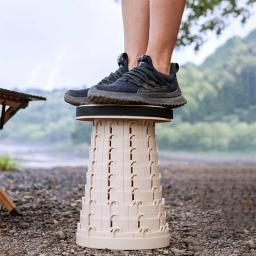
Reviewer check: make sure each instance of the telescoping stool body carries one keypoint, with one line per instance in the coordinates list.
(123, 207)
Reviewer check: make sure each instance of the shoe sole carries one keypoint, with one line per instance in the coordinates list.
(76, 101)
(100, 96)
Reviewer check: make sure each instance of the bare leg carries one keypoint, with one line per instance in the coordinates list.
(136, 28)
(165, 18)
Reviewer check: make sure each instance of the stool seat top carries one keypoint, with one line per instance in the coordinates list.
(113, 111)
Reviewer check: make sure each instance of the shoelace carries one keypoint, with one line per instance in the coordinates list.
(112, 77)
(141, 77)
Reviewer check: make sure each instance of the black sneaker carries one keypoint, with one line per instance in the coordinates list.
(79, 97)
(142, 85)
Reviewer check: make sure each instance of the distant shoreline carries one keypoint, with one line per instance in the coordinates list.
(53, 156)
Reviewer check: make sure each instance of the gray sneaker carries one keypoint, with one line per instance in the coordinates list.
(79, 97)
(142, 85)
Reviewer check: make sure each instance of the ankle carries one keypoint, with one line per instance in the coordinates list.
(161, 67)
(133, 59)
(132, 63)
(161, 62)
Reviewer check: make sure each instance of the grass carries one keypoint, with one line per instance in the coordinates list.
(7, 164)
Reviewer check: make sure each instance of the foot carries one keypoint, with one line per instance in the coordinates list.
(142, 85)
(79, 97)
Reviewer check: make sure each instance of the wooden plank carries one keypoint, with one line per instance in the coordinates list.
(18, 96)
(12, 103)
(10, 113)
(2, 116)
(6, 201)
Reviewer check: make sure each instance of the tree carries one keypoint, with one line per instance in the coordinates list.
(204, 16)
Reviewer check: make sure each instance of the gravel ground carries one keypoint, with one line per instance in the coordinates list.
(211, 211)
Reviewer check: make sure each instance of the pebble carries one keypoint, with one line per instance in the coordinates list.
(253, 252)
(246, 231)
(55, 222)
(27, 197)
(73, 204)
(61, 235)
(236, 253)
(251, 244)
(177, 252)
(215, 235)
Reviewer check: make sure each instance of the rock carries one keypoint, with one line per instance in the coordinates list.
(177, 252)
(55, 222)
(74, 204)
(215, 235)
(251, 244)
(61, 235)
(236, 253)
(27, 197)
(246, 231)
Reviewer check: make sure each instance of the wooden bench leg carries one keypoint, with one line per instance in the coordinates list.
(8, 203)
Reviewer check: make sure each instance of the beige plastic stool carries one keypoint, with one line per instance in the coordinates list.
(123, 206)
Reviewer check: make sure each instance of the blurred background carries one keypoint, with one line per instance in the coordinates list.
(47, 47)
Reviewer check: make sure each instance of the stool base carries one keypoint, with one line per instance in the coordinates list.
(122, 243)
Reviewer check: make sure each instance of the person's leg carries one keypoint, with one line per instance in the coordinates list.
(136, 28)
(153, 81)
(165, 18)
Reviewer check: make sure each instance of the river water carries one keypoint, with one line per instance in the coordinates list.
(48, 156)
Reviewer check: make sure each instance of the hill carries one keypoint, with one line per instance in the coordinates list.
(220, 114)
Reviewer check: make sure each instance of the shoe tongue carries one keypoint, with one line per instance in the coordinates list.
(123, 60)
(145, 59)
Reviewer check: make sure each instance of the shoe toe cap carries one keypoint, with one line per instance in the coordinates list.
(77, 93)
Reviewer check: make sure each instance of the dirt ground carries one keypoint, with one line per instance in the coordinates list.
(211, 211)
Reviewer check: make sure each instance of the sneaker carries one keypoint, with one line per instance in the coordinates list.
(142, 85)
(79, 97)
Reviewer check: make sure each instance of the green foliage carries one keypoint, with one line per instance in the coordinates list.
(7, 164)
(81, 133)
(204, 16)
(202, 136)
(223, 87)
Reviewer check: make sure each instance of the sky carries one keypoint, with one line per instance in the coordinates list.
(50, 44)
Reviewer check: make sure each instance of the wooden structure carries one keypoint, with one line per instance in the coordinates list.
(11, 103)
(8, 203)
